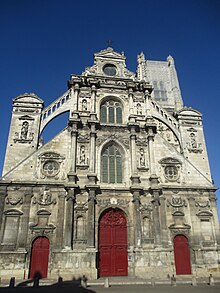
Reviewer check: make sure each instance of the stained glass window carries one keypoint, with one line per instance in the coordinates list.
(111, 112)
(111, 165)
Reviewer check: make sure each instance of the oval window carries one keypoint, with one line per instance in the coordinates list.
(110, 69)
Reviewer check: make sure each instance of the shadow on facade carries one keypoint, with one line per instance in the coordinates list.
(67, 286)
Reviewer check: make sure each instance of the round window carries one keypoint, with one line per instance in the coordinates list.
(171, 172)
(110, 69)
(51, 168)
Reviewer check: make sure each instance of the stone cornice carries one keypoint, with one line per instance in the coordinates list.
(113, 82)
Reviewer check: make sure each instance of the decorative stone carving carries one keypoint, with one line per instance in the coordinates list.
(82, 159)
(142, 162)
(14, 201)
(185, 230)
(193, 146)
(113, 201)
(171, 168)
(83, 138)
(24, 136)
(146, 209)
(45, 199)
(176, 202)
(204, 204)
(204, 215)
(115, 136)
(50, 165)
(42, 227)
(141, 141)
(81, 206)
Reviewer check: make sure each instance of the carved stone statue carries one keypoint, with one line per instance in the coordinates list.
(84, 105)
(142, 158)
(193, 140)
(24, 130)
(82, 155)
(139, 109)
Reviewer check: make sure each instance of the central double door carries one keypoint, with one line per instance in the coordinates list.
(113, 257)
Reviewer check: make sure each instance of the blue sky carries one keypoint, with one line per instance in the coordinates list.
(44, 41)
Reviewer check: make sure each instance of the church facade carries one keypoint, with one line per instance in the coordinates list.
(124, 190)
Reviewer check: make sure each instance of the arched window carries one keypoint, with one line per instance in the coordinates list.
(111, 112)
(111, 165)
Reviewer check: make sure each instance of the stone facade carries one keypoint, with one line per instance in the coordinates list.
(130, 146)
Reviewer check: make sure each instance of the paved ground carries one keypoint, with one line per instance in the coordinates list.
(156, 289)
(69, 288)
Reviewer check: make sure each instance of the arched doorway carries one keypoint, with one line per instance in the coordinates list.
(113, 256)
(39, 257)
(182, 255)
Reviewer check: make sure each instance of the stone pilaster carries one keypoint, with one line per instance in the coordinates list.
(76, 97)
(151, 130)
(74, 132)
(147, 99)
(135, 178)
(92, 176)
(130, 96)
(93, 99)
(163, 220)
(155, 191)
(24, 223)
(91, 216)
(68, 234)
(137, 219)
(212, 198)
(60, 216)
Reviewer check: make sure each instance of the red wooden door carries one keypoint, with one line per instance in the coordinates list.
(39, 257)
(182, 255)
(113, 258)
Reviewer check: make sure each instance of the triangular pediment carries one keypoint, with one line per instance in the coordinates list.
(109, 53)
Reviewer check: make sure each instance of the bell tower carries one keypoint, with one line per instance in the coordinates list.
(24, 129)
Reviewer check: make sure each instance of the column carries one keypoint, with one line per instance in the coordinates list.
(137, 219)
(68, 235)
(24, 223)
(91, 217)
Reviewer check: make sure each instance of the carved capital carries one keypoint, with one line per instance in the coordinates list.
(71, 194)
